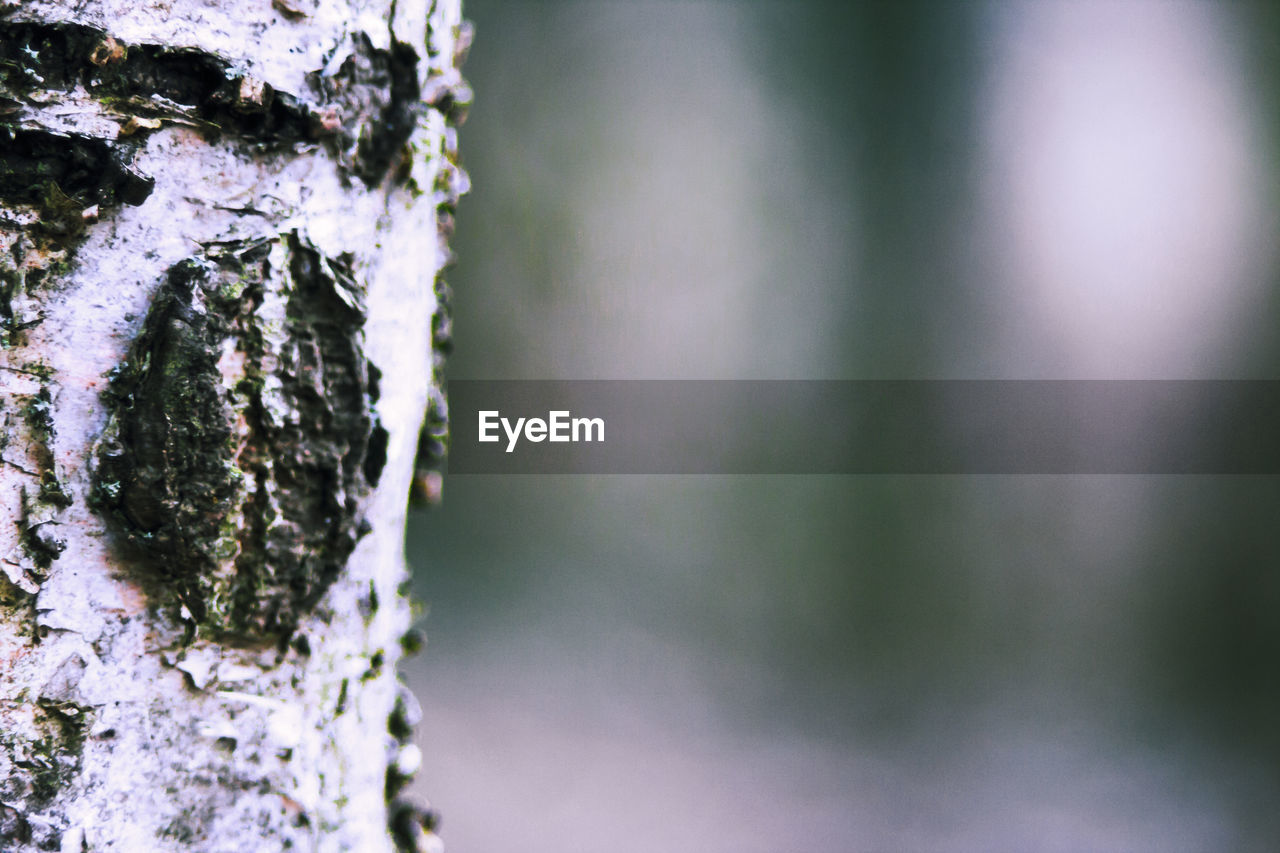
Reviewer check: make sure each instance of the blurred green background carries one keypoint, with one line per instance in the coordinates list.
(1014, 189)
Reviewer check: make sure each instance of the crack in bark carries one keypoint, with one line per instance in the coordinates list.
(61, 174)
(364, 111)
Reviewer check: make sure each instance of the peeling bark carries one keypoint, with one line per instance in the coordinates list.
(222, 334)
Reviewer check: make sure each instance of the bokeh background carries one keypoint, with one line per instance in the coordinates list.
(745, 190)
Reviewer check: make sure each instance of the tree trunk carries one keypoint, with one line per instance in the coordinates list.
(221, 231)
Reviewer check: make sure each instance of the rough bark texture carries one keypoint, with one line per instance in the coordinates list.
(221, 232)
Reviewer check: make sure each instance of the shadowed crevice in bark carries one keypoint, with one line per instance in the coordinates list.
(55, 171)
(363, 111)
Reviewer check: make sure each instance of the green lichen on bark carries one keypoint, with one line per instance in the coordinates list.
(26, 446)
(32, 256)
(38, 758)
(242, 437)
(447, 94)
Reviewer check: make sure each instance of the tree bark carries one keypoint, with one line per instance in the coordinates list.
(221, 232)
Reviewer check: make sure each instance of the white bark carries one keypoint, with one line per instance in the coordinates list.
(163, 689)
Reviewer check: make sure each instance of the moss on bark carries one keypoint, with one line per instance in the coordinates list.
(243, 436)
